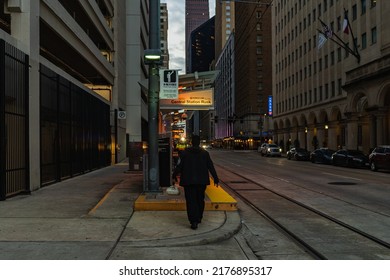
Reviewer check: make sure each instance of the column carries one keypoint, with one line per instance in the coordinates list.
(332, 136)
(352, 131)
(25, 28)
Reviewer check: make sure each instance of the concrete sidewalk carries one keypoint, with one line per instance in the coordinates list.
(92, 217)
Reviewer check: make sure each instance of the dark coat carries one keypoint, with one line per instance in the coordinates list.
(194, 166)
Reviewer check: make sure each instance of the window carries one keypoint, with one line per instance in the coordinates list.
(373, 3)
(373, 35)
(338, 54)
(338, 23)
(326, 91)
(332, 58)
(364, 41)
(333, 85)
(363, 3)
(326, 61)
(354, 12)
(339, 86)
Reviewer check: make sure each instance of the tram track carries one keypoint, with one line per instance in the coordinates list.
(325, 228)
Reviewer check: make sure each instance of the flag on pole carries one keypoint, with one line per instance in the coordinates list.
(327, 31)
(321, 40)
(345, 23)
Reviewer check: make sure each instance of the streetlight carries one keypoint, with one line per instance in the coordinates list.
(152, 57)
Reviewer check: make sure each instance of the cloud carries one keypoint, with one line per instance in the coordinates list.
(176, 31)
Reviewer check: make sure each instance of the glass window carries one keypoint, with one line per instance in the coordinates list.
(364, 41)
(363, 3)
(354, 12)
(339, 87)
(373, 35)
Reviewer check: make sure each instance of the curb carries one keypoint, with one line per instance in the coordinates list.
(228, 229)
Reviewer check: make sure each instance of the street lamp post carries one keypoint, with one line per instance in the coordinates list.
(153, 57)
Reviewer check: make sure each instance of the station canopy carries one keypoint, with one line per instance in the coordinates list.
(196, 92)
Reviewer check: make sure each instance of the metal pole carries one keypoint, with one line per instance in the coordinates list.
(153, 100)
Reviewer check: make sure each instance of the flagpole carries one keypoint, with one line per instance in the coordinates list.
(342, 44)
(356, 52)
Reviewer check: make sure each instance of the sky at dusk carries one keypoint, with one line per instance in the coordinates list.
(176, 31)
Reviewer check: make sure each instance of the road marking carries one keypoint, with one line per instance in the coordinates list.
(346, 177)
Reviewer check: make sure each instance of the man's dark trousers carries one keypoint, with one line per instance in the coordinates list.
(194, 195)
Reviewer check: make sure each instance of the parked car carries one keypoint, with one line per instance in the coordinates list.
(380, 158)
(298, 154)
(322, 155)
(350, 158)
(271, 150)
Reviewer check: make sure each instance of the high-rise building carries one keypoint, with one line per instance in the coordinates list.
(253, 70)
(224, 24)
(202, 41)
(325, 96)
(224, 92)
(197, 12)
(224, 62)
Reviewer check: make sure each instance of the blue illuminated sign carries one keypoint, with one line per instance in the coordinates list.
(270, 105)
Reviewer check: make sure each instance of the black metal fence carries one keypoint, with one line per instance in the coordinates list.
(75, 126)
(14, 151)
(75, 129)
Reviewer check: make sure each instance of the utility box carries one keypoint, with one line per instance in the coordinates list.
(136, 152)
(165, 160)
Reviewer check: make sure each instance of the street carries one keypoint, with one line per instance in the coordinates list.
(337, 212)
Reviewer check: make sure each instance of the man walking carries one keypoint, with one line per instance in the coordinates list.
(194, 166)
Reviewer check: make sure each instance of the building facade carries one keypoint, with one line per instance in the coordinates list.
(224, 92)
(253, 69)
(202, 42)
(70, 98)
(323, 95)
(224, 24)
(196, 13)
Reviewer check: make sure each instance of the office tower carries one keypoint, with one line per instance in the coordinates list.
(224, 24)
(197, 12)
(253, 70)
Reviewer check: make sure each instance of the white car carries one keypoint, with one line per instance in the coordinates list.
(272, 150)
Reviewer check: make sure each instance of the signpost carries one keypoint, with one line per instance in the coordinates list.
(169, 84)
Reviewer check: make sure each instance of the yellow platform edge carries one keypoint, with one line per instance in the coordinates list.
(218, 200)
